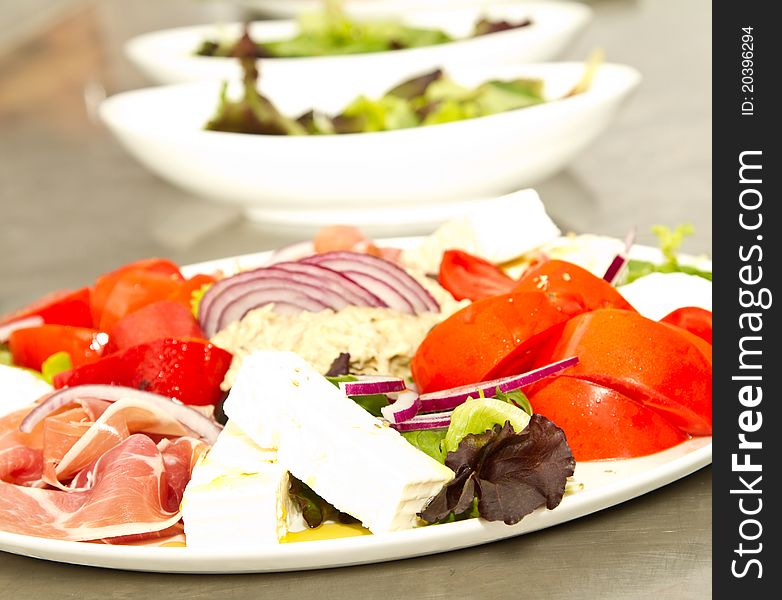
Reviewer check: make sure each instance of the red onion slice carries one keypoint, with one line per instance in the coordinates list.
(234, 299)
(333, 280)
(23, 323)
(286, 300)
(405, 285)
(201, 425)
(432, 421)
(366, 385)
(403, 409)
(313, 288)
(453, 397)
(620, 260)
(383, 289)
(343, 261)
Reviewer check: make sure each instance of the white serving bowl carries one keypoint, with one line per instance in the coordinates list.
(301, 179)
(285, 9)
(168, 56)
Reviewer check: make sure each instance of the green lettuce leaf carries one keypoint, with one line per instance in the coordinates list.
(479, 415)
(428, 441)
(5, 356)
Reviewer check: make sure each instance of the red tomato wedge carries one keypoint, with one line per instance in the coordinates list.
(189, 370)
(601, 423)
(490, 338)
(645, 360)
(571, 287)
(699, 342)
(63, 307)
(471, 277)
(31, 346)
(106, 283)
(134, 290)
(162, 319)
(692, 318)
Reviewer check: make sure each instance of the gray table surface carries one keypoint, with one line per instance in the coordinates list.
(73, 204)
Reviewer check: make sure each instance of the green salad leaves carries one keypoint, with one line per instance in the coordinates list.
(428, 99)
(670, 240)
(331, 32)
(508, 473)
(507, 460)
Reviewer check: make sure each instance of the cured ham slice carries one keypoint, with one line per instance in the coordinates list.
(21, 460)
(134, 489)
(70, 444)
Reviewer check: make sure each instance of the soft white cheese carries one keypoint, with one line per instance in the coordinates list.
(323, 438)
(657, 294)
(497, 230)
(237, 496)
(20, 389)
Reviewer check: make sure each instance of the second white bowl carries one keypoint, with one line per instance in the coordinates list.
(168, 56)
(409, 169)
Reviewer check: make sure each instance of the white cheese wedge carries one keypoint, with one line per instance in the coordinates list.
(347, 456)
(20, 389)
(237, 497)
(498, 230)
(657, 294)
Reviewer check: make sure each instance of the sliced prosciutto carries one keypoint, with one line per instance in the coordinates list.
(21, 457)
(70, 445)
(133, 489)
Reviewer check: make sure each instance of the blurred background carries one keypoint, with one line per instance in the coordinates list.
(75, 204)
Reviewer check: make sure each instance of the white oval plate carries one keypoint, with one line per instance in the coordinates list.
(299, 180)
(605, 484)
(168, 56)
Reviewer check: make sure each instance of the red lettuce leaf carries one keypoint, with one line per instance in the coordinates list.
(511, 474)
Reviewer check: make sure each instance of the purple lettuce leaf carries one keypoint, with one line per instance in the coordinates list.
(511, 474)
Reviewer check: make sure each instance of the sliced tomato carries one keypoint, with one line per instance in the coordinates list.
(33, 345)
(490, 338)
(645, 360)
(189, 370)
(702, 345)
(694, 319)
(571, 287)
(134, 290)
(601, 423)
(106, 283)
(471, 277)
(162, 319)
(63, 307)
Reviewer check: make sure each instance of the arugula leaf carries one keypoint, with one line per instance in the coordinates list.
(670, 240)
(510, 474)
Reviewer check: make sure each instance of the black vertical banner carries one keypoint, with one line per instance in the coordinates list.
(747, 48)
